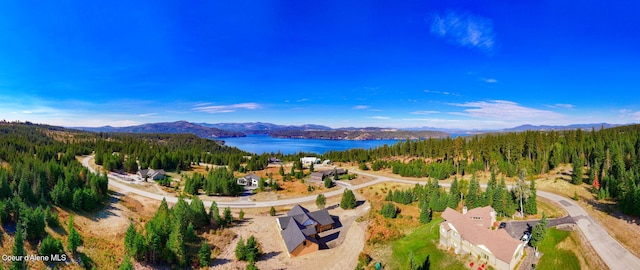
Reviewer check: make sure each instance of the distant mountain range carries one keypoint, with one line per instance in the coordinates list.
(169, 127)
(262, 128)
(222, 130)
(596, 126)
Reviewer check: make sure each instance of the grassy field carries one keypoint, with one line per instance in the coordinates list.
(557, 258)
(422, 242)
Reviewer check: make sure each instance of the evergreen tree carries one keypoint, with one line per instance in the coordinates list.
(228, 217)
(272, 211)
(539, 231)
(321, 201)
(18, 249)
(200, 217)
(176, 246)
(214, 214)
(50, 245)
(389, 210)
(74, 240)
(473, 198)
(425, 214)
(190, 234)
(328, 183)
(454, 194)
(240, 250)
(348, 200)
(281, 170)
(311, 168)
(531, 205)
(126, 263)
(576, 175)
(204, 255)
(252, 250)
(241, 214)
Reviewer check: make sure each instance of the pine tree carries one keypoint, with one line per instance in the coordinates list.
(272, 211)
(18, 248)
(240, 250)
(214, 214)
(328, 183)
(281, 170)
(74, 240)
(252, 251)
(200, 217)
(539, 231)
(576, 175)
(175, 245)
(126, 263)
(425, 214)
(454, 194)
(348, 200)
(204, 255)
(321, 201)
(473, 199)
(228, 217)
(531, 205)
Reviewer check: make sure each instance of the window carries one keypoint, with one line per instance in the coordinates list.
(485, 256)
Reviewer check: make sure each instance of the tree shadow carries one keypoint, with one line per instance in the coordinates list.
(220, 262)
(613, 210)
(358, 203)
(269, 255)
(240, 222)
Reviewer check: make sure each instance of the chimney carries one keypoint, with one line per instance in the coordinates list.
(464, 210)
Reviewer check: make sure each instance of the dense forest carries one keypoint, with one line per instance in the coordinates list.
(38, 167)
(608, 157)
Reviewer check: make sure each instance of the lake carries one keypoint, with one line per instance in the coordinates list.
(263, 143)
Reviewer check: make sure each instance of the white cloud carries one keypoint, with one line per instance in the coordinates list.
(302, 100)
(490, 80)
(146, 114)
(507, 111)
(360, 107)
(441, 93)
(464, 30)
(227, 108)
(425, 112)
(562, 106)
(381, 117)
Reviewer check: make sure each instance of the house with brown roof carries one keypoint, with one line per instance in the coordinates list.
(300, 228)
(470, 232)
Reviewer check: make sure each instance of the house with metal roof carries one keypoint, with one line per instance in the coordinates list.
(249, 180)
(470, 232)
(300, 228)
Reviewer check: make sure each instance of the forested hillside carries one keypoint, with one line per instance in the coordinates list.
(38, 168)
(608, 157)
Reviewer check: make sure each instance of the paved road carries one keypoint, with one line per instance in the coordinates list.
(517, 228)
(612, 253)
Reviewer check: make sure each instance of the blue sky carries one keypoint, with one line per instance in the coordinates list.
(450, 64)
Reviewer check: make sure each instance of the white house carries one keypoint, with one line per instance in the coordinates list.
(471, 233)
(151, 173)
(249, 180)
(310, 160)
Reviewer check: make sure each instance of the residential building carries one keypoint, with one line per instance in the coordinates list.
(471, 232)
(310, 160)
(151, 174)
(249, 180)
(300, 228)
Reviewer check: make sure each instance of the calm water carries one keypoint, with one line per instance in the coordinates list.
(263, 143)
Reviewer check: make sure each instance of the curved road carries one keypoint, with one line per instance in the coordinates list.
(612, 253)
